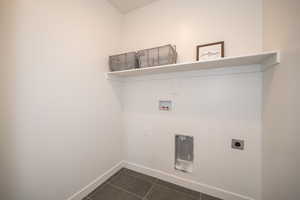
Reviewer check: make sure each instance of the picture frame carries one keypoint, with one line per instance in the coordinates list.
(211, 51)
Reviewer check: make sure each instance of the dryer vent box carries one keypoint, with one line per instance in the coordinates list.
(184, 153)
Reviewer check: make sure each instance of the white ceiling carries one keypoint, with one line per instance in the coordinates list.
(126, 6)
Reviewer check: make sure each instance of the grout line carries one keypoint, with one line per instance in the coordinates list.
(108, 182)
(150, 190)
(141, 179)
(156, 183)
(184, 193)
(119, 188)
(112, 178)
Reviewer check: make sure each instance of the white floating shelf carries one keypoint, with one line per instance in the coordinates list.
(266, 59)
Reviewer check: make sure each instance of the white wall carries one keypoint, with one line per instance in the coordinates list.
(6, 69)
(190, 23)
(281, 108)
(65, 112)
(214, 108)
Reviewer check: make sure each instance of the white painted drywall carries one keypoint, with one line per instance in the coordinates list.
(187, 24)
(281, 107)
(214, 109)
(6, 77)
(65, 113)
(129, 5)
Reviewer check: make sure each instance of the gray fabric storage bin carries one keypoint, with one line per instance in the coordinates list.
(124, 61)
(157, 56)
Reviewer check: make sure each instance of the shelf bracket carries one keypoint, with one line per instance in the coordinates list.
(112, 77)
(272, 61)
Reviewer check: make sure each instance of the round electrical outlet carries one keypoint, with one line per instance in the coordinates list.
(237, 144)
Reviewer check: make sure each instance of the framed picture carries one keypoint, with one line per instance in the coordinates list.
(210, 51)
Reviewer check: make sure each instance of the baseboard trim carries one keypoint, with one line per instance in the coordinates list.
(96, 183)
(193, 185)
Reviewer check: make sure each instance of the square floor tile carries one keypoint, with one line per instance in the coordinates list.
(115, 175)
(140, 175)
(164, 193)
(132, 184)
(207, 197)
(194, 194)
(108, 192)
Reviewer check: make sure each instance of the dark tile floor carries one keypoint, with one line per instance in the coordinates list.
(130, 185)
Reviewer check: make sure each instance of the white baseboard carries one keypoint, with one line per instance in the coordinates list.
(193, 185)
(96, 183)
